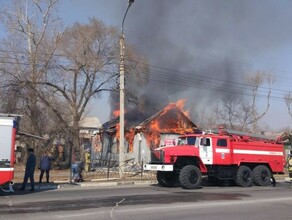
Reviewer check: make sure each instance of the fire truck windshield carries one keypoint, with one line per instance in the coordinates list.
(186, 141)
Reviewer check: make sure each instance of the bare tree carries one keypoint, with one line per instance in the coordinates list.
(58, 74)
(288, 101)
(206, 119)
(88, 66)
(255, 81)
(234, 113)
(27, 54)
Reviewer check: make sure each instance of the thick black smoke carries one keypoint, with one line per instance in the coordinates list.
(207, 46)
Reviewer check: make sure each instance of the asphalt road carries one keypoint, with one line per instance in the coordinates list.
(151, 202)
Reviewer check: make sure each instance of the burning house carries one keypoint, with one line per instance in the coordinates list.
(161, 129)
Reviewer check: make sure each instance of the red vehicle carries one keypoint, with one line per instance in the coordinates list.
(8, 129)
(246, 159)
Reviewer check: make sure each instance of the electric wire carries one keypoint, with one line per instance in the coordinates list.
(185, 79)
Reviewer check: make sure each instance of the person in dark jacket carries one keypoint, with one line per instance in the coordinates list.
(29, 170)
(45, 166)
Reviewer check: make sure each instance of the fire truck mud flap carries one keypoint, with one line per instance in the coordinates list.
(190, 177)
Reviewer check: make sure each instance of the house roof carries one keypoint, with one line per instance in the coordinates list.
(90, 122)
(171, 107)
(168, 109)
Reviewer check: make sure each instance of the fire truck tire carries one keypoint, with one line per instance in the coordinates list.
(244, 176)
(166, 179)
(262, 175)
(190, 177)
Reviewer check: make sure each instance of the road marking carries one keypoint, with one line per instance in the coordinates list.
(80, 214)
(112, 210)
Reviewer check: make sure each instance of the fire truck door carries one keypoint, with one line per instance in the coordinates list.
(222, 150)
(205, 149)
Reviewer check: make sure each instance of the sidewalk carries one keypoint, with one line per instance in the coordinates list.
(61, 179)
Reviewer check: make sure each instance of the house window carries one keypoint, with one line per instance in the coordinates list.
(222, 143)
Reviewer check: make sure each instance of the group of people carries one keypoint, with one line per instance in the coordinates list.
(45, 167)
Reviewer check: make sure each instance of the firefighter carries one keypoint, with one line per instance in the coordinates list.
(87, 160)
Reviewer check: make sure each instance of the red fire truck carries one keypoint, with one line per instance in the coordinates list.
(8, 129)
(245, 159)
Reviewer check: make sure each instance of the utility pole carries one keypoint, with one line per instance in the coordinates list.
(122, 97)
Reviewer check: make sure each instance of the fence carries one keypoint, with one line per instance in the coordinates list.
(109, 170)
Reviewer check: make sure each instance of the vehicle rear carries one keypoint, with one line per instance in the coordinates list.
(8, 127)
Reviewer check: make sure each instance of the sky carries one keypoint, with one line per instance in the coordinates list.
(219, 40)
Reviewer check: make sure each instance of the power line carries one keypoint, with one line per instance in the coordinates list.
(212, 78)
(163, 74)
(191, 84)
(170, 75)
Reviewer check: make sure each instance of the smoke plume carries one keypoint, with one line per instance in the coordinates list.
(200, 50)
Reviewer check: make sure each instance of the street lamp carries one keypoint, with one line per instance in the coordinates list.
(122, 95)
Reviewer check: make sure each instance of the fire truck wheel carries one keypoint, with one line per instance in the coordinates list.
(190, 177)
(166, 179)
(244, 176)
(262, 175)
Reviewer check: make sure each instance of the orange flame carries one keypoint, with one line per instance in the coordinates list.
(179, 104)
(130, 139)
(171, 120)
(116, 113)
(118, 131)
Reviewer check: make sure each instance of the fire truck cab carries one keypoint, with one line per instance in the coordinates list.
(244, 159)
(8, 129)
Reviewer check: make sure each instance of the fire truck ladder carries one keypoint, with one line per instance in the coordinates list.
(248, 136)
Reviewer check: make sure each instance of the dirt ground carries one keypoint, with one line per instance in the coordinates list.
(55, 175)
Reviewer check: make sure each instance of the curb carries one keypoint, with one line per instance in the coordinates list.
(124, 183)
(106, 183)
(67, 184)
(99, 184)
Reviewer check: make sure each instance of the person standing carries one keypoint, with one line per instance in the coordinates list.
(29, 170)
(87, 160)
(45, 166)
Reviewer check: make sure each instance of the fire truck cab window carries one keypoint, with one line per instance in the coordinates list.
(191, 140)
(222, 143)
(205, 142)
